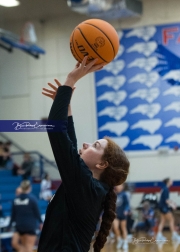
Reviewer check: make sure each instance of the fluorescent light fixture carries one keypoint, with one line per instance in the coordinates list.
(9, 3)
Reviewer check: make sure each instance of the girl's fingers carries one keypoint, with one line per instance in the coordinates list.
(48, 90)
(57, 82)
(51, 96)
(78, 64)
(91, 64)
(52, 86)
(96, 67)
(83, 63)
(99, 68)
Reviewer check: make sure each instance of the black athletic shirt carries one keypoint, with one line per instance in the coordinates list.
(74, 210)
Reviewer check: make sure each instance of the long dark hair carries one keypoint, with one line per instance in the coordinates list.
(115, 174)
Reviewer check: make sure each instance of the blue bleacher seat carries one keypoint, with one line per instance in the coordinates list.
(36, 189)
(42, 205)
(8, 187)
(8, 180)
(6, 207)
(53, 192)
(5, 173)
(7, 196)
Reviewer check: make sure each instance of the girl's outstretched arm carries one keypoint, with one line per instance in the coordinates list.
(66, 155)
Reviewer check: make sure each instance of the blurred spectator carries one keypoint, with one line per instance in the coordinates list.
(15, 170)
(1, 154)
(122, 208)
(5, 156)
(152, 199)
(148, 221)
(16, 237)
(8, 146)
(26, 167)
(166, 206)
(130, 220)
(46, 185)
(8, 159)
(25, 215)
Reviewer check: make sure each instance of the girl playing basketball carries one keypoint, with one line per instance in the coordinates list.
(122, 208)
(88, 177)
(165, 206)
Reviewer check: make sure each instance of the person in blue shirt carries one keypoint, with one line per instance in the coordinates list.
(148, 221)
(26, 216)
(166, 206)
(122, 209)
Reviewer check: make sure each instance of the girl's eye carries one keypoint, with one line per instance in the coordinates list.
(95, 145)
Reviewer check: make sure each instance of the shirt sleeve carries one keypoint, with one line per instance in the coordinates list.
(126, 202)
(63, 142)
(166, 194)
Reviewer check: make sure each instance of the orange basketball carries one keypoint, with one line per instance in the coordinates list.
(94, 38)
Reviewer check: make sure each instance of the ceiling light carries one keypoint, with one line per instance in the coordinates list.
(9, 3)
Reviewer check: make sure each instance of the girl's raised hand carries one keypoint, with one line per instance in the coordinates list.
(51, 93)
(81, 69)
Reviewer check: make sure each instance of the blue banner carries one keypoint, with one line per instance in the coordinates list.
(138, 93)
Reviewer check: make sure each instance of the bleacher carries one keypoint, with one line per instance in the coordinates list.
(8, 185)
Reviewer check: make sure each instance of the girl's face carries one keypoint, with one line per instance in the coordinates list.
(92, 153)
(169, 183)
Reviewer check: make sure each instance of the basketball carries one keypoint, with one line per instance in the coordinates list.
(94, 38)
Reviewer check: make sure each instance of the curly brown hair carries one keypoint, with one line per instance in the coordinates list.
(115, 174)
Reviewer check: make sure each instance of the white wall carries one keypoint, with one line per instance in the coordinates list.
(22, 78)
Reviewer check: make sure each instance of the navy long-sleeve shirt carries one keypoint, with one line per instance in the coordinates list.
(74, 211)
(25, 213)
(122, 203)
(164, 197)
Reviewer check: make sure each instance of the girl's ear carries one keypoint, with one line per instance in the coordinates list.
(102, 165)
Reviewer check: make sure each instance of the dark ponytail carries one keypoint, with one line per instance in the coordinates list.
(107, 219)
(115, 174)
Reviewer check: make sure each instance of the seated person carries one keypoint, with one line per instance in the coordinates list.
(152, 198)
(26, 167)
(8, 161)
(2, 155)
(46, 185)
(148, 221)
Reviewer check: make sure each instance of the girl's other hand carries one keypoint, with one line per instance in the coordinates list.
(52, 93)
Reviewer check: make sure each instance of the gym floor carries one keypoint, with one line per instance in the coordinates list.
(144, 244)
